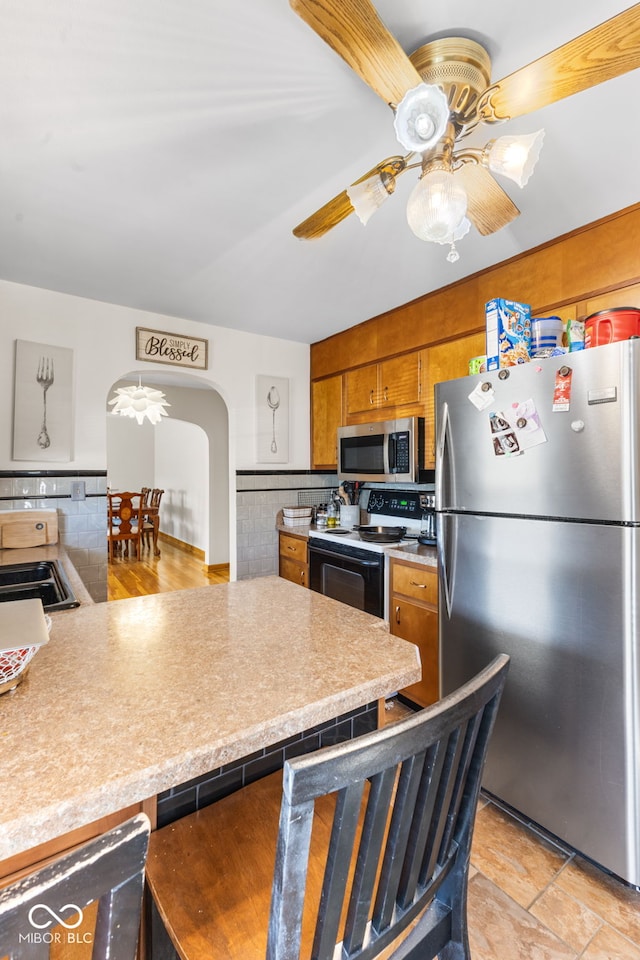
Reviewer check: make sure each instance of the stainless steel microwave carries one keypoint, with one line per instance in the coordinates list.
(390, 451)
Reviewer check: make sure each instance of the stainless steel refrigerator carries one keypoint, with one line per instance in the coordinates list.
(538, 520)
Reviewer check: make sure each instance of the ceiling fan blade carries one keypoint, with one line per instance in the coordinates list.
(488, 207)
(607, 51)
(355, 31)
(325, 218)
(338, 209)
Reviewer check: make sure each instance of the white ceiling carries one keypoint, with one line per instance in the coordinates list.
(157, 154)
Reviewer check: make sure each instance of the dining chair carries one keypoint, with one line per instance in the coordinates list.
(124, 521)
(370, 838)
(91, 895)
(151, 519)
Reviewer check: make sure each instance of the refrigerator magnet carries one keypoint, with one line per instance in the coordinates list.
(527, 424)
(482, 395)
(562, 390)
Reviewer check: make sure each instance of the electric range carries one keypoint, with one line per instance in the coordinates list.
(344, 566)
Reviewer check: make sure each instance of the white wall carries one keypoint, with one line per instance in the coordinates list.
(182, 471)
(102, 336)
(130, 453)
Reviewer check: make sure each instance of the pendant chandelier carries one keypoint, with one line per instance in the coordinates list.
(140, 402)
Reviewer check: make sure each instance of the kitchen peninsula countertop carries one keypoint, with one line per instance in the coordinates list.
(132, 697)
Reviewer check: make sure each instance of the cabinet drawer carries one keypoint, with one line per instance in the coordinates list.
(417, 582)
(293, 548)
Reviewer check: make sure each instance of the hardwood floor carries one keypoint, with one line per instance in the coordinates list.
(176, 569)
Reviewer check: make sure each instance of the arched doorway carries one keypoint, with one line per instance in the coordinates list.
(201, 446)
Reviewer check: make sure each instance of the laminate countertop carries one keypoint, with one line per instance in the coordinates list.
(413, 551)
(132, 697)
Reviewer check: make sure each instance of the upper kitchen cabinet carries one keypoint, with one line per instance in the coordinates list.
(326, 417)
(445, 361)
(380, 388)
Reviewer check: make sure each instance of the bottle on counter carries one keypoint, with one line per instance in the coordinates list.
(332, 515)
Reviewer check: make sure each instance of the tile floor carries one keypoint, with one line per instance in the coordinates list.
(533, 899)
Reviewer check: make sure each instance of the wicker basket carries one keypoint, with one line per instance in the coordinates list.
(297, 512)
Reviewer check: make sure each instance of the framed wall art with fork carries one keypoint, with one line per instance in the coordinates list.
(42, 402)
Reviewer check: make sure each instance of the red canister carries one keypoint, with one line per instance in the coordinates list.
(606, 326)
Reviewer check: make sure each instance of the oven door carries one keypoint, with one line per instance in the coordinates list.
(349, 574)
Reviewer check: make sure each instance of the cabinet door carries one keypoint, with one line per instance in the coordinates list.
(419, 625)
(294, 571)
(446, 361)
(400, 380)
(362, 389)
(326, 417)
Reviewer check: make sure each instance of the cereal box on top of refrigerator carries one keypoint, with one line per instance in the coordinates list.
(508, 333)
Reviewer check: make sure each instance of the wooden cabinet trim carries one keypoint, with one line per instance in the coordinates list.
(550, 277)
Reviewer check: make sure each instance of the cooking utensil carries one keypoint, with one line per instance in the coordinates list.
(381, 534)
(273, 399)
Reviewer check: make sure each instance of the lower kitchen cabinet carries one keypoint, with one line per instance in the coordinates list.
(293, 564)
(413, 615)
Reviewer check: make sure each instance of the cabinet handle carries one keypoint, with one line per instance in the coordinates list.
(386, 394)
(302, 577)
(293, 549)
(370, 396)
(414, 583)
(398, 614)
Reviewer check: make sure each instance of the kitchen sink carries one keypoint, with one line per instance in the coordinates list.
(43, 580)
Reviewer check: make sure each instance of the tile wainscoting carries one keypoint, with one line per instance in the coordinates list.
(82, 523)
(259, 497)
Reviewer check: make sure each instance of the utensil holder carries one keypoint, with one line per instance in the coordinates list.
(349, 515)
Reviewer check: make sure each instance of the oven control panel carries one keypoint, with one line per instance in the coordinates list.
(399, 503)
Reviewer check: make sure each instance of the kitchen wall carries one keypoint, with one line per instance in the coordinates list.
(102, 337)
(260, 495)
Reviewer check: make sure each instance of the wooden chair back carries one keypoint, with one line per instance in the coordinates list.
(124, 520)
(101, 882)
(156, 497)
(372, 848)
(146, 492)
(149, 524)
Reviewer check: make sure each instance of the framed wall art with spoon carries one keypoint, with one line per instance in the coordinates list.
(272, 419)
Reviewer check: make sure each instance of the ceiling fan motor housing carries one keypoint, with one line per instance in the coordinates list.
(461, 67)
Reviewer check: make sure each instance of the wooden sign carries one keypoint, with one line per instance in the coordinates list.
(158, 346)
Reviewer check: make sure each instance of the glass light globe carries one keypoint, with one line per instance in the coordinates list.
(437, 208)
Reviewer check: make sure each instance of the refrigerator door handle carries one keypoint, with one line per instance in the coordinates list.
(444, 462)
(447, 536)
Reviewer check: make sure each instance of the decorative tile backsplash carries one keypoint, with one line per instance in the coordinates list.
(259, 497)
(81, 523)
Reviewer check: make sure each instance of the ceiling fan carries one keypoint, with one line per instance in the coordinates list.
(439, 94)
